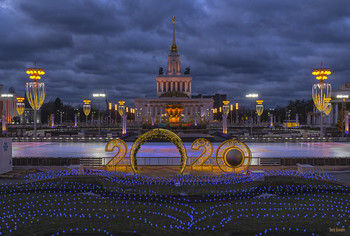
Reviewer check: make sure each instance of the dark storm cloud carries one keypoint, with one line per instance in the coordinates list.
(233, 47)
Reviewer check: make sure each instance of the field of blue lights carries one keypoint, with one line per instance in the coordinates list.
(111, 203)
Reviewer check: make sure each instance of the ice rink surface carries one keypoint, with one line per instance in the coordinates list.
(55, 149)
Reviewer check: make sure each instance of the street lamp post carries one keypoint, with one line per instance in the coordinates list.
(252, 96)
(116, 113)
(259, 109)
(20, 107)
(321, 92)
(86, 109)
(225, 111)
(343, 97)
(110, 113)
(99, 95)
(123, 114)
(35, 91)
(231, 110)
(236, 113)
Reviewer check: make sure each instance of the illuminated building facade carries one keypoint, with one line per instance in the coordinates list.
(8, 105)
(174, 89)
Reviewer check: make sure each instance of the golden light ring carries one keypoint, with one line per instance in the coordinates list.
(162, 134)
(229, 144)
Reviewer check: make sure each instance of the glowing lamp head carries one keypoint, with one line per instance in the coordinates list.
(225, 102)
(321, 73)
(86, 102)
(121, 103)
(20, 99)
(35, 73)
(236, 105)
(259, 102)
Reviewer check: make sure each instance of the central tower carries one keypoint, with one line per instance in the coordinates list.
(174, 83)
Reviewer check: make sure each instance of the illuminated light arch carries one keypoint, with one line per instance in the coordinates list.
(161, 134)
(222, 153)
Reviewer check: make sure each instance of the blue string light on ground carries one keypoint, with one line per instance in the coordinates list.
(60, 202)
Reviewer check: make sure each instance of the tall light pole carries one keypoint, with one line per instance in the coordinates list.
(343, 97)
(116, 113)
(236, 113)
(122, 113)
(20, 107)
(110, 113)
(99, 95)
(321, 92)
(231, 110)
(86, 109)
(251, 96)
(259, 109)
(35, 91)
(225, 111)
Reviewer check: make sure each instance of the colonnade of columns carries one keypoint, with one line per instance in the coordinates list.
(173, 86)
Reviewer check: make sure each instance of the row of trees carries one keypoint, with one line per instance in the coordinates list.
(301, 107)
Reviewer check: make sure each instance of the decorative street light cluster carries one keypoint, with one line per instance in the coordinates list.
(86, 109)
(321, 92)
(20, 106)
(35, 91)
(259, 108)
(225, 112)
(123, 115)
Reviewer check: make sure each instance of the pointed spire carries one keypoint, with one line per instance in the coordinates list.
(173, 47)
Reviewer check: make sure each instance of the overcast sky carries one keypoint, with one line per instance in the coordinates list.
(232, 47)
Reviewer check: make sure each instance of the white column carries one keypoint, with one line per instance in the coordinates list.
(157, 86)
(171, 86)
(190, 86)
(186, 87)
(166, 86)
(181, 86)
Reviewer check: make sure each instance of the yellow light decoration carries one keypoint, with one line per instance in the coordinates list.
(236, 105)
(158, 134)
(174, 112)
(20, 106)
(321, 93)
(220, 109)
(225, 107)
(328, 109)
(116, 107)
(226, 110)
(231, 107)
(123, 114)
(86, 107)
(259, 107)
(35, 73)
(321, 73)
(35, 94)
(110, 106)
(35, 91)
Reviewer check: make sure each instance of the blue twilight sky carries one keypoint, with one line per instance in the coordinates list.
(234, 47)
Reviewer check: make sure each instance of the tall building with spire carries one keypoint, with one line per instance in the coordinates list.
(174, 88)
